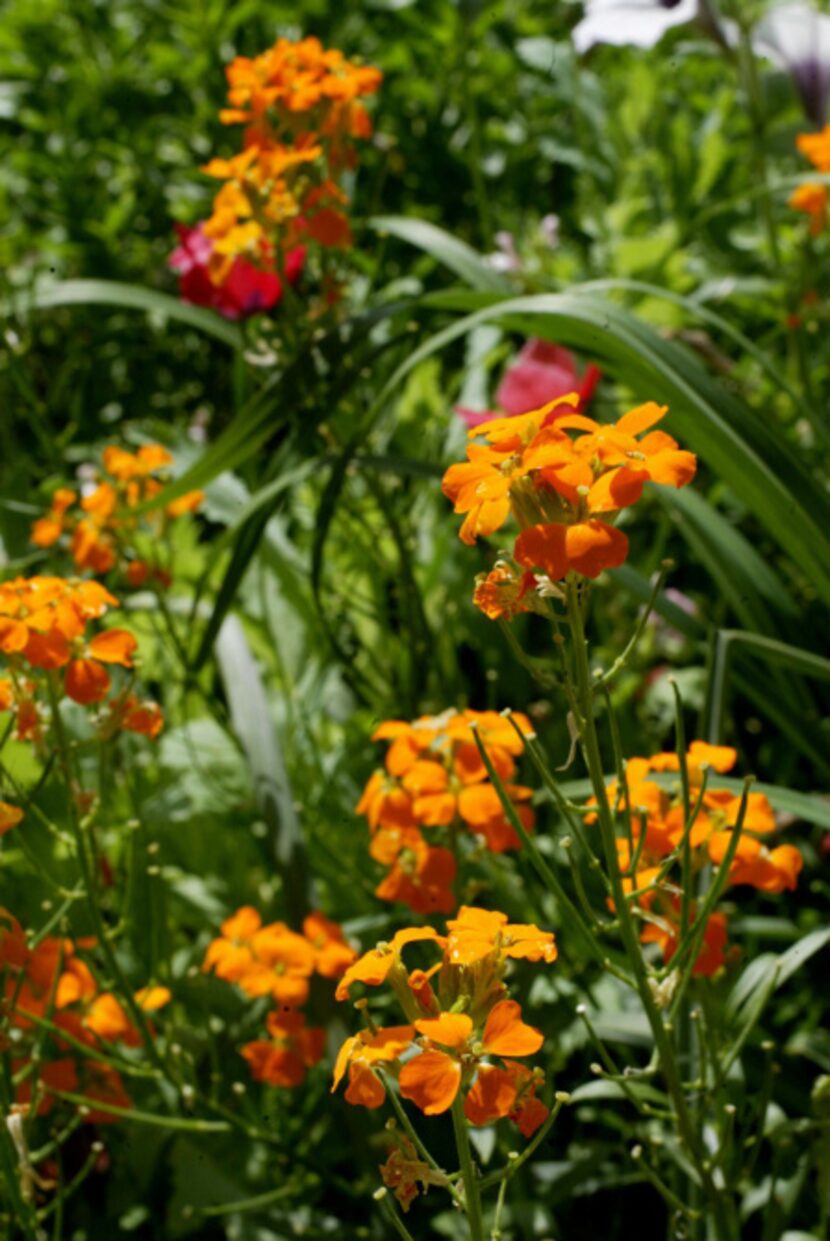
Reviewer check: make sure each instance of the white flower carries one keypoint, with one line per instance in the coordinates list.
(797, 38)
(639, 22)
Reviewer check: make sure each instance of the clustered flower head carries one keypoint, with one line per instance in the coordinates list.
(433, 786)
(301, 107)
(564, 491)
(813, 197)
(461, 1034)
(50, 649)
(274, 961)
(101, 527)
(650, 857)
(52, 982)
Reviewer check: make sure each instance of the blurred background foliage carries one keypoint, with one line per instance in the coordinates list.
(350, 581)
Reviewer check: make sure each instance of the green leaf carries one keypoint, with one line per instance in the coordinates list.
(795, 957)
(253, 725)
(441, 245)
(126, 297)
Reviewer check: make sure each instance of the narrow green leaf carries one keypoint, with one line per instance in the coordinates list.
(253, 725)
(49, 295)
(441, 245)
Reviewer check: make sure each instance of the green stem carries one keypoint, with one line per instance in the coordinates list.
(472, 1200)
(571, 916)
(91, 887)
(392, 1215)
(583, 690)
(508, 1172)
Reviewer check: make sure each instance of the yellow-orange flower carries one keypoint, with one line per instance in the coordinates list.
(477, 933)
(432, 1079)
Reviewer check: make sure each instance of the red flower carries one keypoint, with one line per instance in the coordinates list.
(246, 290)
(541, 373)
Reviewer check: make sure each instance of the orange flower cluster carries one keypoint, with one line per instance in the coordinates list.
(300, 105)
(455, 1030)
(52, 982)
(813, 197)
(274, 961)
(434, 779)
(564, 492)
(44, 633)
(101, 528)
(659, 829)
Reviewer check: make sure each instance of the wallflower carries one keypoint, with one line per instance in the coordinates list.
(10, 816)
(282, 1059)
(361, 1054)
(452, 1033)
(509, 1091)
(420, 875)
(101, 529)
(262, 960)
(666, 932)
(812, 199)
(436, 781)
(478, 933)
(300, 104)
(816, 147)
(432, 1079)
(562, 489)
(51, 981)
(375, 966)
(659, 828)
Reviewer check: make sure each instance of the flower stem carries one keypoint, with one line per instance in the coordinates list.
(472, 1201)
(584, 697)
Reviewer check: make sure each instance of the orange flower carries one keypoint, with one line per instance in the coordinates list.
(141, 717)
(432, 1079)
(479, 933)
(10, 816)
(47, 530)
(87, 679)
(508, 1091)
(499, 594)
(333, 955)
(768, 870)
(816, 147)
(292, 1048)
(712, 954)
(374, 967)
(435, 777)
(421, 876)
(361, 1053)
(519, 447)
(812, 199)
(585, 547)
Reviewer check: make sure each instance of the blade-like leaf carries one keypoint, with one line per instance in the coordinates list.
(459, 257)
(253, 725)
(126, 297)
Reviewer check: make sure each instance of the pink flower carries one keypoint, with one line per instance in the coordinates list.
(247, 290)
(541, 373)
